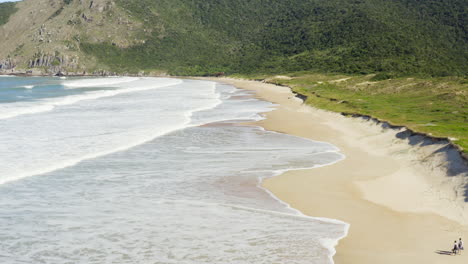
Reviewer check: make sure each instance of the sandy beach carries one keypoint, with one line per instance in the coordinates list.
(398, 199)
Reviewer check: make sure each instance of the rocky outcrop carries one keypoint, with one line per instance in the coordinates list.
(54, 61)
(42, 35)
(101, 7)
(7, 64)
(103, 73)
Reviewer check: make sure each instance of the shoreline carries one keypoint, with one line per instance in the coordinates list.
(386, 123)
(396, 212)
(458, 148)
(328, 243)
(404, 199)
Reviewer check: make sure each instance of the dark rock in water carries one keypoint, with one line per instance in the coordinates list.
(59, 74)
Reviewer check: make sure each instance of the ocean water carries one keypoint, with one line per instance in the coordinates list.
(149, 170)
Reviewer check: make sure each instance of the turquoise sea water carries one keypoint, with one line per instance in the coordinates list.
(148, 170)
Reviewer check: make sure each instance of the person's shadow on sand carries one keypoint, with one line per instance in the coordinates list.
(444, 252)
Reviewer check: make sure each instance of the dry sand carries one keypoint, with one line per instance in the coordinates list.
(401, 208)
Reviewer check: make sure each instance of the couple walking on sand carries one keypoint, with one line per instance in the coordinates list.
(457, 246)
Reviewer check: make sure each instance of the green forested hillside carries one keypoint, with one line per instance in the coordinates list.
(6, 10)
(360, 36)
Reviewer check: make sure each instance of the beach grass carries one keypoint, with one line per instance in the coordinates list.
(434, 106)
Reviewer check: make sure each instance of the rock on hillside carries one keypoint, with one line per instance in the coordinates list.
(45, 35)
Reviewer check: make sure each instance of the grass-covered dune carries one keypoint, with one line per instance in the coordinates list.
(433, 106)
(245, 36)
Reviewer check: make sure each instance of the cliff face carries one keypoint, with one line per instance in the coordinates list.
(7, 64)
(45, 35)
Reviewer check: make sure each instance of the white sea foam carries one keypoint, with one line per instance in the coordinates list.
(189, 194)
(22, 108)
(99, 82)
(328, 243)
(27, 86)
(114, 138)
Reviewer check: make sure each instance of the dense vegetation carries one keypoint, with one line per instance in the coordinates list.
(361, 36)
(435, 106)
(6, 10)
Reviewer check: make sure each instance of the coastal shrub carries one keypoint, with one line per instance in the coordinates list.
(382, 76)
(6, 10)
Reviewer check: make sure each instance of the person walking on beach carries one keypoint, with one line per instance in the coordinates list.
(455, 247)
(460, 245)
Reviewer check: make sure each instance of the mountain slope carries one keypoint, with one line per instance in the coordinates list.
(6, 10)
(342, 36)
(46, 34)
(244, 36)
